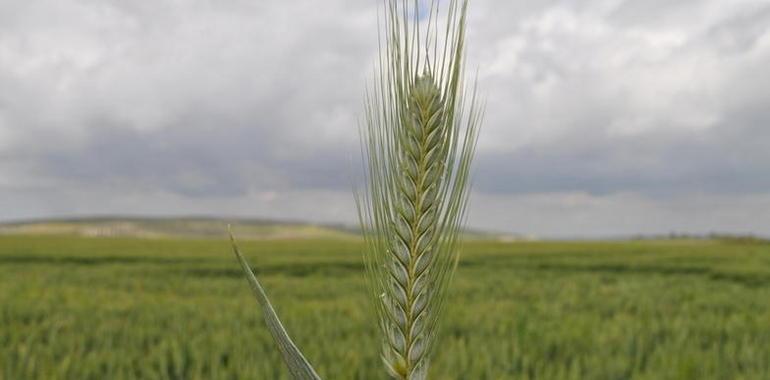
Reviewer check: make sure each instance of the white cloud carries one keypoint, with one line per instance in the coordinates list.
(565, 67)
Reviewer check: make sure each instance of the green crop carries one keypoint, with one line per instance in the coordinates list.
(80, 308)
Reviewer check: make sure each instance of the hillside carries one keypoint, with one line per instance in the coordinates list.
(196, 227)
(203, 227)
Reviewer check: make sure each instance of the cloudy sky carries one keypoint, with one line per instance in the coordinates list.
(604, 117)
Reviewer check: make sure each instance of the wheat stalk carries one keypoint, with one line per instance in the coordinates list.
(418, 144)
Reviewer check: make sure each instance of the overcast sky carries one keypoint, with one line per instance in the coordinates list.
(604, 117)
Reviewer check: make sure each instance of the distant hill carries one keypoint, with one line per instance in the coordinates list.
(192, 227)
(202, 227)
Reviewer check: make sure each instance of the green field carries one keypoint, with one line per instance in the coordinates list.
(111, 308)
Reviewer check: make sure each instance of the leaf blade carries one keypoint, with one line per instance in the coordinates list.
(298, 365)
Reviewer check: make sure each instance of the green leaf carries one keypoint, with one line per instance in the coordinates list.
(299, 367)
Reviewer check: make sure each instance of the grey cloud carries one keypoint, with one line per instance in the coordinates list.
(200, 99)
(742, 32)
(720, 161)
(589, 104)
(658, 12)
(199, 158)
(227, 100)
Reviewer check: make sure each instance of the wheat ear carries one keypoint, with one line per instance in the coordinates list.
(419, 137)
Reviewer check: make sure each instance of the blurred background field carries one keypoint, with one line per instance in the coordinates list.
(74, 307)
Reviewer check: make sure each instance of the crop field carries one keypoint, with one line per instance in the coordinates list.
(122, 308)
